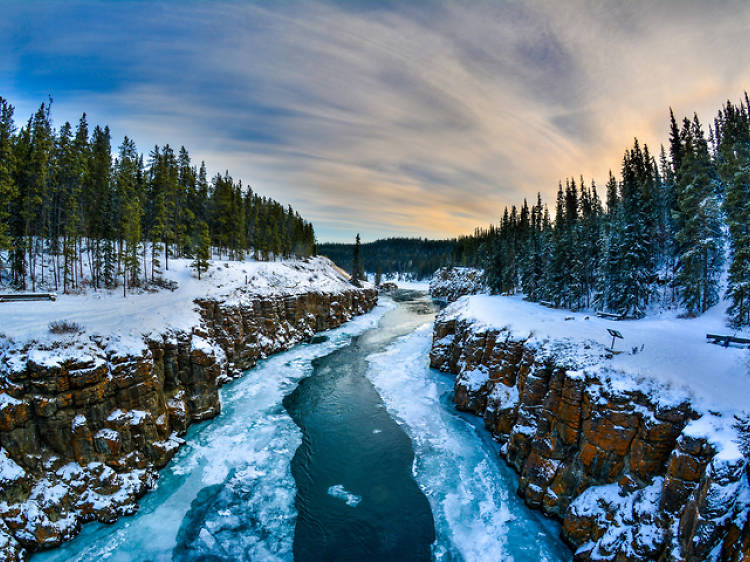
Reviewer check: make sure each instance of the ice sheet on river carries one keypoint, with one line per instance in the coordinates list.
(477, 514)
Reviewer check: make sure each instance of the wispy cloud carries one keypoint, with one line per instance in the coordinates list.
(419, 119)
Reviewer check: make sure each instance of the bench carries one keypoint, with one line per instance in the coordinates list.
(726, 340)
(27, 297)
(611, 316)
(548, 304)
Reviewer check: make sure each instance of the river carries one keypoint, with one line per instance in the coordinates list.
(344, 448)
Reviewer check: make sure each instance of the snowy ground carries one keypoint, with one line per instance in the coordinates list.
(403, 281)
(413, 285)
(667, 352)
(128, 319)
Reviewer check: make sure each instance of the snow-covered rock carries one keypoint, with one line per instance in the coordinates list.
(636, 465)
(450, 283)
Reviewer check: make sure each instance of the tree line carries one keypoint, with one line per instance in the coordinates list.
(418, 257)
(659, 235)
(73, 214)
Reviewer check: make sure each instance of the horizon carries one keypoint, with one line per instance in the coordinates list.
(382, 119)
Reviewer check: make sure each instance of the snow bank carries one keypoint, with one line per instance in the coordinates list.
(450, 283)
(668, 353)
(125, 321)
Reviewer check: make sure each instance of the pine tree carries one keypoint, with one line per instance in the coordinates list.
(561, 279)
(186, 202)
(532, 282)
(8, 189)
(158, 210)
(75, 209)
(734, 169)
(127, 177)
(356, 263)
(34, 151)
(630, 248)
(203, 250)
(610, 276)
(699, 238)
(99, 205)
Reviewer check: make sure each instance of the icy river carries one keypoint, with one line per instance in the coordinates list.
(344, 448)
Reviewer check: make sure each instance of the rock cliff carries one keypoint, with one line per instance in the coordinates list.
(631, 476)
(85, 425)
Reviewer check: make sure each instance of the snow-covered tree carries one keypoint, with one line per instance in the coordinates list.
(733, 132)
(699, 239)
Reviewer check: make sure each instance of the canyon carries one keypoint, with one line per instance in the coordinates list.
(85, 426)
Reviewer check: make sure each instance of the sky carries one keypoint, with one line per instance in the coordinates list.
(418, 118)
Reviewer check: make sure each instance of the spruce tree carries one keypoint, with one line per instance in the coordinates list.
(127, 177)
(203, 249)
(699, 238)
(734, 169)
(8, 189)
(356, 263)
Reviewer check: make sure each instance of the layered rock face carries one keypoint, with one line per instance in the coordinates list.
(631, 477)
(85, 427)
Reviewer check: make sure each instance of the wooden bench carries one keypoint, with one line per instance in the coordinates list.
(726, 340)
(27, 297)
(611, 316)
(548, 304)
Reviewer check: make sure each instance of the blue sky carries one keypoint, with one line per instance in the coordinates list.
(385, 118)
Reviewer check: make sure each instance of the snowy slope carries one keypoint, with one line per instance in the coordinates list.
(666, 352)
(108, 313)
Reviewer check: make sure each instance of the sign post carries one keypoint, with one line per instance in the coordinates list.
(615, 334)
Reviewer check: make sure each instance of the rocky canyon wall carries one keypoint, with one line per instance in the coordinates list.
(84, 426)
(630, 476)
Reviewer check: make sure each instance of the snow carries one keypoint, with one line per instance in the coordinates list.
(412, 285)
(666, 352)
(630, 519)
(78, 421)
(198, 343)
(125, 321)
(452, 282)
(7, 400)
(503, 397)
(715, 430)
(473, 379)
(9, 470)
(339, 492)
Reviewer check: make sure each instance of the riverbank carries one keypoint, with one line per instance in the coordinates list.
(640, 454)
(87, 419)
(255, 485)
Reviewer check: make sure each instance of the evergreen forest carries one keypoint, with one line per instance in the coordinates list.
(660, 234)
(74, 213)
(416, 257)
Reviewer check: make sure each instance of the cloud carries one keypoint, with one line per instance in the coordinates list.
(420, 119)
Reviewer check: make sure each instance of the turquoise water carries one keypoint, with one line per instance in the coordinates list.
(343, 449)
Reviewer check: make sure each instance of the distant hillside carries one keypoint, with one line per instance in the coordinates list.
(419, 257)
